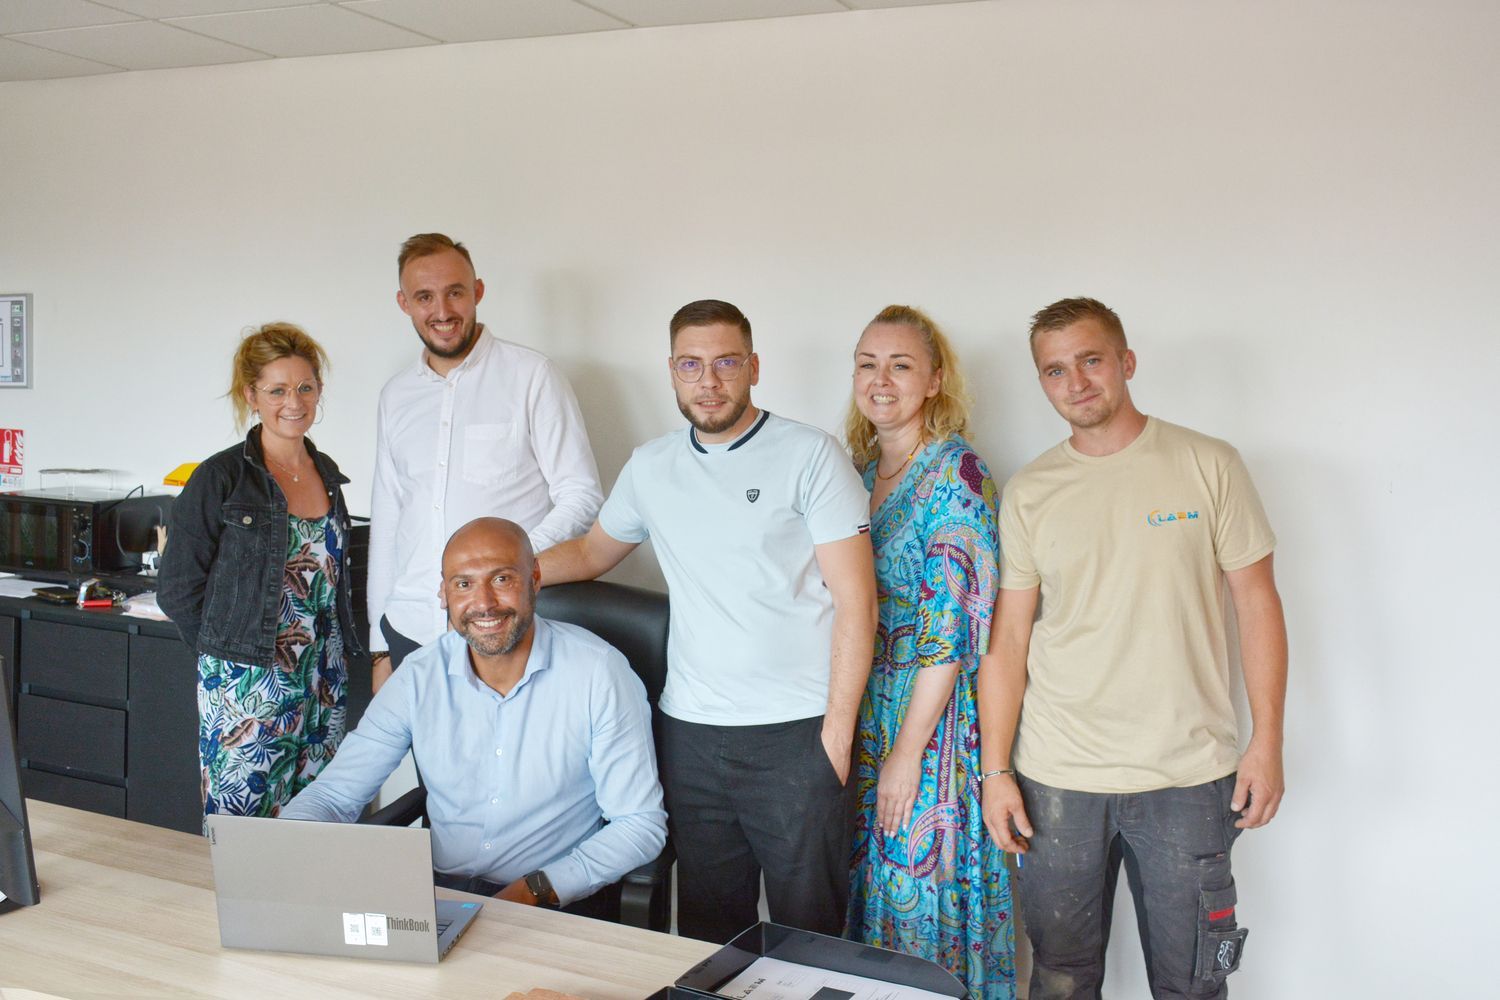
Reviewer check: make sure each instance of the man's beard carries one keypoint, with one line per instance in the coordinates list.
(720, 425)
(471, 334)
(503, 642)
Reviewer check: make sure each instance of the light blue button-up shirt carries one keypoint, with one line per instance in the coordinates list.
(514, 783)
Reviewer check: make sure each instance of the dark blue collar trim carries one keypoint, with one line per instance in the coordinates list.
(755, 429)
(764, 414)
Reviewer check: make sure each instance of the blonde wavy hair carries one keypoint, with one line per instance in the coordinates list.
(943, 415)
(261, 346)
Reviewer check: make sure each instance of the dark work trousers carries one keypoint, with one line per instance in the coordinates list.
(602, 905)
(747, 801)
(1175, 845)
(400, 646)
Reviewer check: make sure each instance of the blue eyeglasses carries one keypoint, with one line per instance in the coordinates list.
(725, 369)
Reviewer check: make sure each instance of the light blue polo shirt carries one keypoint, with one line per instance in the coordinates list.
(733, 527)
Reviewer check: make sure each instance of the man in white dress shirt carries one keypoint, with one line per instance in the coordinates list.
(476, 426)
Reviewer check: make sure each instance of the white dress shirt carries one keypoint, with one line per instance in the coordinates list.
(501, 435)
(516, 782)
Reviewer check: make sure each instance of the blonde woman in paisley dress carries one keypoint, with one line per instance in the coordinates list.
(926, 878)
(255, 576)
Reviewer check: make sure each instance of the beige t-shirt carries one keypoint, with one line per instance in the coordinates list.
(1128, 673)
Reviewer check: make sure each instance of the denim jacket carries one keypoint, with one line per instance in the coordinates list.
(221, 573)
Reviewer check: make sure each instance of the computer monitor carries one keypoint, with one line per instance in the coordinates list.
(17, 867)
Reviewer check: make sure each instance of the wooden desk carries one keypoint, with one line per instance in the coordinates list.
(128, 909)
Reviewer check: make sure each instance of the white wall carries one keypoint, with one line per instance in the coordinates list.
(1292, 205)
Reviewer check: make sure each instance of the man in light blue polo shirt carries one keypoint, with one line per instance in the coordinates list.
(761, 527)
(530, 736)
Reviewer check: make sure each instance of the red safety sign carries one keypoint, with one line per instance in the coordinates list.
(12, 451)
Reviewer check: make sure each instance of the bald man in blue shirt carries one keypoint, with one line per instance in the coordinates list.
(533, 738)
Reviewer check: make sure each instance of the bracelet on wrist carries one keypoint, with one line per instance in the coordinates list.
(987, 775)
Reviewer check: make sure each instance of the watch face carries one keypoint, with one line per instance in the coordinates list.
(541, 888)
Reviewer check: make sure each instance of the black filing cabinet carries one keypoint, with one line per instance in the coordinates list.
(9, 633)
(106, 713)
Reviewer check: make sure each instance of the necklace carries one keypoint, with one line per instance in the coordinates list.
(905, 460)
(295, 477)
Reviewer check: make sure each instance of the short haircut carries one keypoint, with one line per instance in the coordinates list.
(506, 527)
(425, 245)
(1066, 312)
(263, 345)
(707, 312)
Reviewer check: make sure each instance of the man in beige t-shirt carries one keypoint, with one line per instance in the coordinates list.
(1126, 537)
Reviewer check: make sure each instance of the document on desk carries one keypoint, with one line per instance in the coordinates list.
(774, 979)
(14, 586)
(144, 606)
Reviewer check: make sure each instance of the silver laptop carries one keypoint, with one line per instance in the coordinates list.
(331, 889)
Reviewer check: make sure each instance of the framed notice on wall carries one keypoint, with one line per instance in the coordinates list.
(15, 341)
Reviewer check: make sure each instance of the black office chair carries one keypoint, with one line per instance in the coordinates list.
(634, 621)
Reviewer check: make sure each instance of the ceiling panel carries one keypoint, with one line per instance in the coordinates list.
(141, 45)
(303, 31)
(93, 36)
(656, 12)
(479, 20)
(27, 62)
(873, 4)
(185, 8)
(44, 15)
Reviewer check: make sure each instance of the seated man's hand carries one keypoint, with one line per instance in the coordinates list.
(517, 892)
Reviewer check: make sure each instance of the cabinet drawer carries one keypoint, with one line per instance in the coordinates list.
(72, 737)
(75, 792)
(71, 659)
(9, 631)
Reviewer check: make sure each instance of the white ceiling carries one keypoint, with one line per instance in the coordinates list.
(44, 39)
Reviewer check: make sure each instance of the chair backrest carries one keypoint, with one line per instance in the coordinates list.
(631, 619)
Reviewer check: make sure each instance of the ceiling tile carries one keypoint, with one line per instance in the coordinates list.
(186, 8)
(479, 20)
(871, 4)
(303, 31)
(141, 45)
(656, 12)
(27, 62)
(44, 15)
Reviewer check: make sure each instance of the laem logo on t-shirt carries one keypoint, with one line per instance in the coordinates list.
(1157, 518)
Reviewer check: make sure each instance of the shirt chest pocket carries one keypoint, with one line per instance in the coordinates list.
(491, 453)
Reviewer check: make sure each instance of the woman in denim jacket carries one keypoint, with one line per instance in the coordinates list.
(255, 576)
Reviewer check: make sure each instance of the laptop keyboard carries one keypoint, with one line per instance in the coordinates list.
(442, 926)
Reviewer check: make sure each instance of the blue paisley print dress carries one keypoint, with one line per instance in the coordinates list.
(265, 733)
(939, 889)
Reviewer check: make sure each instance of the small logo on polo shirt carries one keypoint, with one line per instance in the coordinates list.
(1157, 518)
(752, 495)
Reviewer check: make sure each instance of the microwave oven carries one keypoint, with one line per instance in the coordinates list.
(77, 533)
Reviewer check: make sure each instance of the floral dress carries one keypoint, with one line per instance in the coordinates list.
(265, 733)
(939, 889)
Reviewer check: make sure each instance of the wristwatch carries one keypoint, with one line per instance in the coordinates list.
(541, 887)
